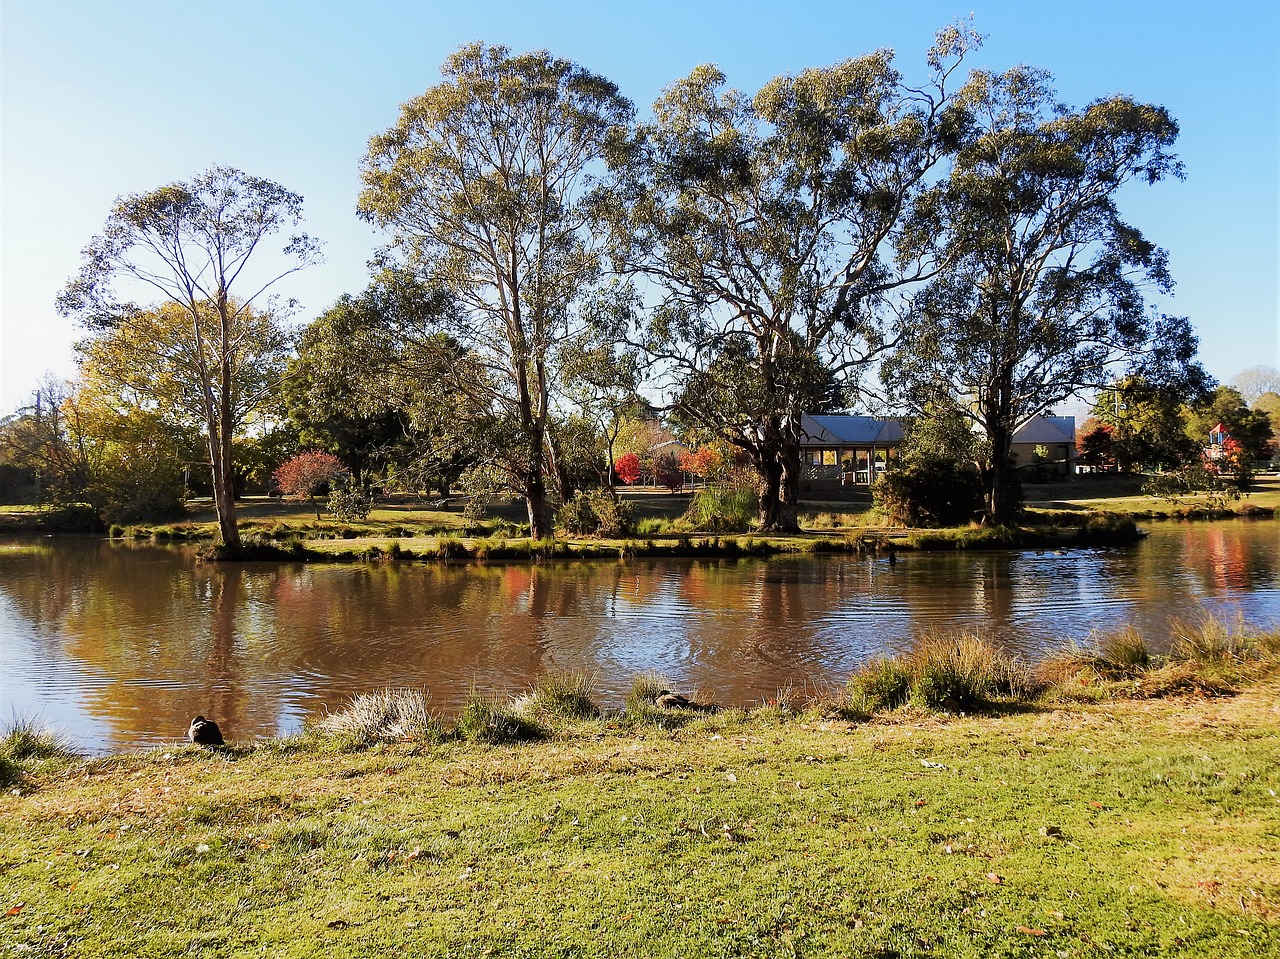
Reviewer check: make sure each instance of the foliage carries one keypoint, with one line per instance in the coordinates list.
(481, 184)
(596, 513)
(1192, 479)
(1249, 434)
(707, 462)
(934, 480)
(45, 441)
(667, 472)
(342, 392)
(349, 502)
(200, 351)
(1146, 425)
(928, 492)
(727, 506)
(627, 467)
(1043, 291)
(301, 477)
(763, 219)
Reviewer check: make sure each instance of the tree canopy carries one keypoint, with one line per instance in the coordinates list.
(766, 221)
(482, 184)
(1043, 291)
(189, 244)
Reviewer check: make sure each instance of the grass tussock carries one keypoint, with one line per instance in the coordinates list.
(949, 672)
(390, 715)
(27, 745)
(1208, 655)
(563, 695)
(483, 720)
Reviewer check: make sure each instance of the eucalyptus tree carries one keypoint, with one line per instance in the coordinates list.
(1044, 292)
(766, 224)
(483, 185)
(215, 351)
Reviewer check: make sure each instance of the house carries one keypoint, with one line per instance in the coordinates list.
(839, 450)
(1046, 444)
(842, 450)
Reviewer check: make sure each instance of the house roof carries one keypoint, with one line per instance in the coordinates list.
(848, 431)
(1047, 429)
(839, 430)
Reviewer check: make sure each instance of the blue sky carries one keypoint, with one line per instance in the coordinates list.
(101, 99)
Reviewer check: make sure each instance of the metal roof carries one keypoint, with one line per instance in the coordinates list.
(836, 430)
(840, 430)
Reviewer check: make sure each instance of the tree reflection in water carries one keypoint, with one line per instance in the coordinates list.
(121, 644)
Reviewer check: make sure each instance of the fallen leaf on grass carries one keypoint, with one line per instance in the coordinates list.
(1027, 930)
(994, 879)
(14, 910)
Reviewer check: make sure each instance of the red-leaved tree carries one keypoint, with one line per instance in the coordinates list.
(628, 468)
(304, 475)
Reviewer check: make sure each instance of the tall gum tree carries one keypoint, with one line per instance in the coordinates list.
(190, 244)
(1044, 291)
(766, 222)
(482, 184)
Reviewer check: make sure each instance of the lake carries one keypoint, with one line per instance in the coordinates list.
(118, 644)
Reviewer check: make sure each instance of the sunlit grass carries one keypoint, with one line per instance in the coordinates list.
(1118, 828)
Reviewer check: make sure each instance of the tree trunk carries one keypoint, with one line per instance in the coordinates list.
(770, 494)
(539, 509)
(224, 484)
(999, 478)
(789, 492)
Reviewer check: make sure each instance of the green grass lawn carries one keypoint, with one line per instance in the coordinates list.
(1122, 494)
(1132, 828)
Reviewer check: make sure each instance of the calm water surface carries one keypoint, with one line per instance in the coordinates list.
(120, 645)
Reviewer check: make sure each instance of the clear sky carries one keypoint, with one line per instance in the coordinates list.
(99, 99)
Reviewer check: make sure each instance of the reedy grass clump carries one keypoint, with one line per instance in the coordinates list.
(484, 721)
(1124, 652)
(563, 695)
(964, 672)
(953, 672)
(879, 686)
(27, 745)
(389, 715)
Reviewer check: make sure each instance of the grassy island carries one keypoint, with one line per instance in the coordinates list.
(1087, 512)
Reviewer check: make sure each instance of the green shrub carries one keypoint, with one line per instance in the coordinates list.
(483, 721)
(880, 685)
(595, 513)
(928, 492)
(962, 673)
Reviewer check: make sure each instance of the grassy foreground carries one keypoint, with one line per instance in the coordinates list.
(1146, 827)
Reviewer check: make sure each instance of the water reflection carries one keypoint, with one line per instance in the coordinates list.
(121, 644)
